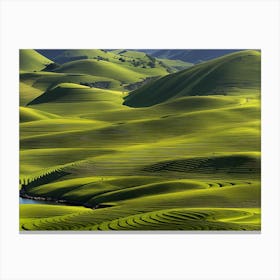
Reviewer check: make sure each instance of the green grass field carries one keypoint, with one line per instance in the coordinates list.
(180, 152)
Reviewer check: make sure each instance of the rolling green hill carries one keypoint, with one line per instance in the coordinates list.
(144, 61)
(124, 57)
(180, 153)
(121, 72)
(93, 68)
(30, 60)
(46, 80)
(100, 68)
(70, 92)
(175, 65)
(222, 76)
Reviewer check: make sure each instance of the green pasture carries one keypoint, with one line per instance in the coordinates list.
(181, 152)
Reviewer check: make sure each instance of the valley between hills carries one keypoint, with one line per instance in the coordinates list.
(140, 140)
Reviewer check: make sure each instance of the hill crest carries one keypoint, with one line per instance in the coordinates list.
(222, 76)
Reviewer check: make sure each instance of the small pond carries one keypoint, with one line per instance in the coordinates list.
(33, 201)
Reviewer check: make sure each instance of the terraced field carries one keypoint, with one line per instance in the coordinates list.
(181, 152)
(78, 218)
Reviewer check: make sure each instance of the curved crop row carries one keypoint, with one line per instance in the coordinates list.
(226, 164)
(184, 219)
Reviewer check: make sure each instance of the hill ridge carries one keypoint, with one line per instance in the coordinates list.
(227, 73)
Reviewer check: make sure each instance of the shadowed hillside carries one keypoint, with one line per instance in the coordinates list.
(223, 76)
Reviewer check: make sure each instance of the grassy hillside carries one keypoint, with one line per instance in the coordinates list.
(182, 159)
(100, 68)
(71, 55)
(224, 76)
(71, 92)
(125, 57)
(94, 68)
(30, 60)
(119, 71)
(51, 217)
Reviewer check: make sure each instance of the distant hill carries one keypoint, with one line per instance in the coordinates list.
(121, 56)
(63, 56)
(100, 68)
(191, 56)
(221, 76)
(50, 53)
(30, 60)
(74, 93)
(183, 55)
(29, 114)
